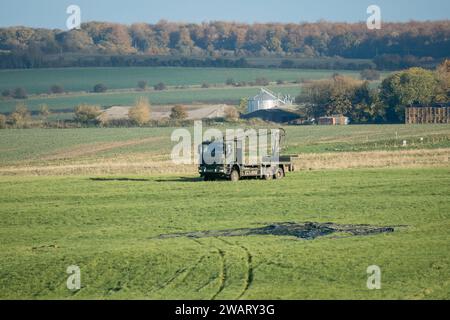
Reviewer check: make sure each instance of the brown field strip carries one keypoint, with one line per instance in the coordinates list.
(148, 164)
(374, 159)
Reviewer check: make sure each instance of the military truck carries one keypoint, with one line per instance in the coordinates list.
(231, 166)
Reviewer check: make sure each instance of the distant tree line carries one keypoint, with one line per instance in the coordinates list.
(396, 45)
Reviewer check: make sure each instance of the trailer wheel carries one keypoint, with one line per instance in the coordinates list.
(279, 174)
(234, 175)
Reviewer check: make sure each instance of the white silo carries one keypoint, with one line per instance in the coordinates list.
(264, 100)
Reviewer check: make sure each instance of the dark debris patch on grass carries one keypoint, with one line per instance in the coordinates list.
(307, 231)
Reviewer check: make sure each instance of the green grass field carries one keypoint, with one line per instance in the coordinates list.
(108, 229)
(109, 224)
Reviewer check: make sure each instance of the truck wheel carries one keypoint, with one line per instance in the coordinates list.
(279, 174)
(234, 175)
(206, 178)
(268, 175)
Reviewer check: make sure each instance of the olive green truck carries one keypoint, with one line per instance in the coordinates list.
(228, 163)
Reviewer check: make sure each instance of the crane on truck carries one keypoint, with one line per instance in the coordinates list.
(229, 160)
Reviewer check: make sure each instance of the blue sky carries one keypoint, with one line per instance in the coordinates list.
(52, 13)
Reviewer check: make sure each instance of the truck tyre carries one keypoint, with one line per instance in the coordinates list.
(234, 176)
(206, 178)
(268, 175)
(279, 174)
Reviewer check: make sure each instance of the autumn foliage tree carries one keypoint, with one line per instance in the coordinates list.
(21, 116)
(178, 112)
(396, 45)
(86, 113)
(140, 113)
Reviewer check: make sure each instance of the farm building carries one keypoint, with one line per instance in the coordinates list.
(273, 115)
(267, 100)
(336, 120)
(436, 113)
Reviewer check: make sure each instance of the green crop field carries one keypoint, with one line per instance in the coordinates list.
(83, 79)
(110, 229)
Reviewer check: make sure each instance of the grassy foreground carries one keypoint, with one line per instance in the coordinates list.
(108, 229)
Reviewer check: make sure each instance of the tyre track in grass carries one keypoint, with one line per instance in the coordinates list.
(225, 259)
(191, 269)
(250, 269)
(223, 279)
(249, 266)
(222, 275)
(207, 283)
(181, 274)
(172, 279)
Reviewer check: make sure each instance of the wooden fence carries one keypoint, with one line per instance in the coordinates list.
(421, 115)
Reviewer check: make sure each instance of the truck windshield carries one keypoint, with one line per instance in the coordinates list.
(213, 153)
